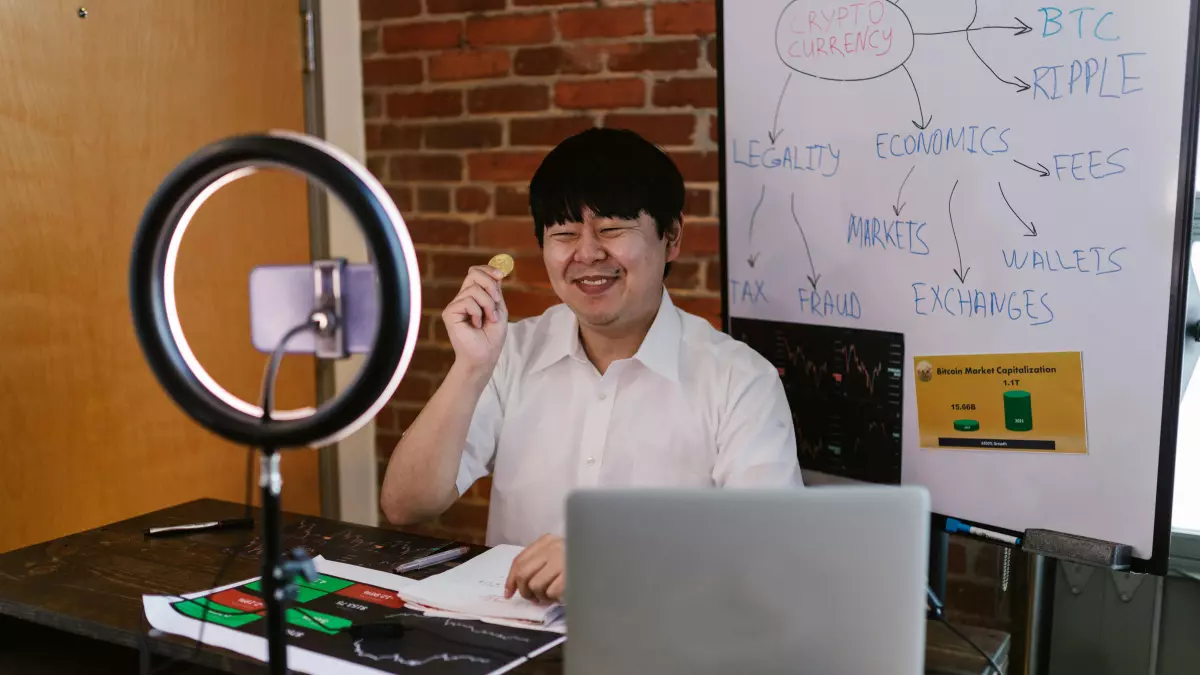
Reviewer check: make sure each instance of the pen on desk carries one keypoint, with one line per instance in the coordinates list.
(431, 560)
(954, 525)
(227, 524)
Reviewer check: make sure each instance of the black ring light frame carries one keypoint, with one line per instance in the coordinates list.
(152, 289)
(160, 334)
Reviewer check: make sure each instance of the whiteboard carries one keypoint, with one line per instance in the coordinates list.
(1037, 119)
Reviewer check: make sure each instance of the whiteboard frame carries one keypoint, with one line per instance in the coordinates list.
(1157, 563)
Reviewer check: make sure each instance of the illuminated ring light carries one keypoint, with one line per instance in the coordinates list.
(156, 320)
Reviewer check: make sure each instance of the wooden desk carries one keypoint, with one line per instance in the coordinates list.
(73, 605)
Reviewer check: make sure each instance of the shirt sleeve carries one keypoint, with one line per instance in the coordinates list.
(482, 438)
(756, 438)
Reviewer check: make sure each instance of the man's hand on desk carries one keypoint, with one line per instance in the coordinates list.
(539, 573)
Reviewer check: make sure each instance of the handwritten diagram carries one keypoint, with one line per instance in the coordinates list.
(960, 167)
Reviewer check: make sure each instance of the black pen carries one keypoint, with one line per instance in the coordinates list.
(211, 526)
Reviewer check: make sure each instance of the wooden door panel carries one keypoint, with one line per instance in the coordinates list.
(94, 113)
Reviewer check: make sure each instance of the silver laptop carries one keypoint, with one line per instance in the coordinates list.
(828, 580)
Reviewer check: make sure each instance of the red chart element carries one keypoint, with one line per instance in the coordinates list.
(238, 600)
(378, 596)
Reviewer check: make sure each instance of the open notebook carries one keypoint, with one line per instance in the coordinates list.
(475, 589)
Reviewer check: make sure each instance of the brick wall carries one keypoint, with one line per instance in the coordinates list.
(463, 98)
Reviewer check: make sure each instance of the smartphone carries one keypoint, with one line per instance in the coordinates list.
(282, 297)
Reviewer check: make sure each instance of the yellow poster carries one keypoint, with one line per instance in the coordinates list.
(1012, 402)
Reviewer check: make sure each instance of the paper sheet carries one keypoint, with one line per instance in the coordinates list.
(316, 645)
(476, 588)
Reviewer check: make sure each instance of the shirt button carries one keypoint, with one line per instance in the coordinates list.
(603, 396)
(591, 461)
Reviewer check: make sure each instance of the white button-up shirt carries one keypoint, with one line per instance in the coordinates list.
(692, 408)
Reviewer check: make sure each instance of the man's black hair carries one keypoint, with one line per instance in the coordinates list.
(614, 172)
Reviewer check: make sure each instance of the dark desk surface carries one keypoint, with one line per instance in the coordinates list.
(74, 604)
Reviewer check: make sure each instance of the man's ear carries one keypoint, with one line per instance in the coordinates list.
(674, 239)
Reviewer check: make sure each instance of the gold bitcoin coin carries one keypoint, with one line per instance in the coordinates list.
(502, 262)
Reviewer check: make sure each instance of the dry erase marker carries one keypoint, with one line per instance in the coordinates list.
(211, 526)
(431, 560)
(954, 525)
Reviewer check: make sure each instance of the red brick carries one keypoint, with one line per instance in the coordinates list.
(466, 516)
(531, 269)
(971, 598)
(503, 166)
(658, 129)
(512, 201)
(707, 307)
(571, 60)
(685, 275)
(437, 329)
(411, 37)
(697, 167)
(698, 92)
(462, 6)
(523, 304)
(472, 200)
(468, 65)
(403, 196)
(394, 136)
(433, 200)
(370, 42)
(712, 280)
(701, 238)
(385, 443)
(511, 29)
(679, 18)
(373, 135)
(430, 359)
(624, 93)
(412, 389)
(714, 128)
(445, 103)
(435, 296)
(475, 134)
(392, 71)
(511, 234)
(454, 266)
(674, 55)
(404, 417)
(508, 98)
(714, 52)
(374, 10)
(697, 202)
(439, 231)
(425, 167)
(546, 3)
(604, 22)
(545, 131)
(372, 105)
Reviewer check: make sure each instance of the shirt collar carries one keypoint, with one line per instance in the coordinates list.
(659, 350)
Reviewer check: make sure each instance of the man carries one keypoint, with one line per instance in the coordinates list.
(615, 387)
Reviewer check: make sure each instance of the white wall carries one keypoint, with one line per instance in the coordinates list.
(341, 70)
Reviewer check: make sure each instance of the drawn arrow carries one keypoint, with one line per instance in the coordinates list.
(898, 207)
(920, 111)
(958, 271)
(1041, 172)
(1020, 30)
(775, 131)
(814, 278)
(754, 214)
(1032, 230)
(1020, 84)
